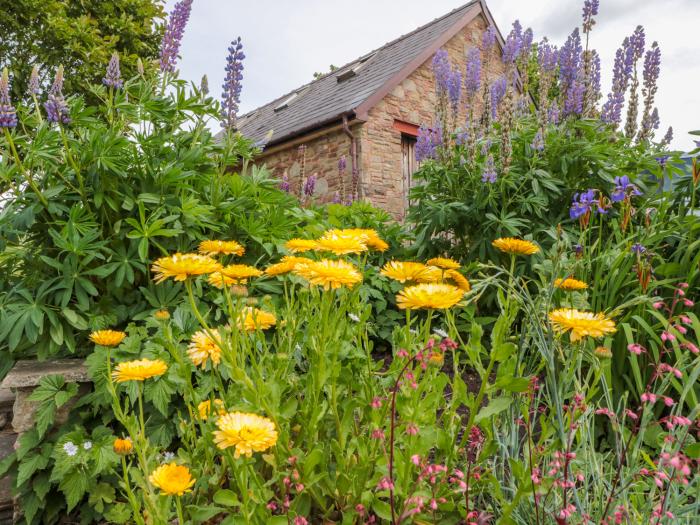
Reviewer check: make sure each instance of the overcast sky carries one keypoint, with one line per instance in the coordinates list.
(286, 41)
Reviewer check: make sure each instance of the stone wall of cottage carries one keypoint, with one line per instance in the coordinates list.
(319, 157)
(379, 142)
(412, 101)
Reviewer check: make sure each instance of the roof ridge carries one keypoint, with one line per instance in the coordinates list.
(369, 53)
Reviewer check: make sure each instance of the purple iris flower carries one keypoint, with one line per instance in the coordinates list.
(638, 249)
(623, 188)
(662, 160)
(584, 203)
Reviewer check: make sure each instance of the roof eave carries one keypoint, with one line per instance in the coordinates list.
(316, 125)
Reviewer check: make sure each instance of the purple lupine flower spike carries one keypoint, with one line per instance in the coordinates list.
(204, 85)
(547, 56)
(429, 140)
(56, 107)
(232, 85)
(498, 91)
(342, 164)
(668, 137)
(652, 69)
(489, 176)
(590, 9)
(489, 39)
(514, 43)
(538, 141)
(310, 186)
(8, 114)
(454, 89)
(284, 183)
(336, 198)
(172, 38)
(472, 80)
(34, 88)
(442, 70)
(528, 37)
(570, 58)
(113, 77)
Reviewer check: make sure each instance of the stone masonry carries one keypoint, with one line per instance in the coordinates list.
(379, 142)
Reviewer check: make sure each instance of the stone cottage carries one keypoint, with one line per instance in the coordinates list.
(367, 111)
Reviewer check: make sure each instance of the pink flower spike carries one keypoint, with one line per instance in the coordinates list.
(684, 285)
(690, 346)
(681, 329)
(376, 402)
(636, 349)
(685, 319)
(668, 401)
(415, 459)
(658, 305)
(402, 353)
(667, 336)
(688, 302)
(411, 429)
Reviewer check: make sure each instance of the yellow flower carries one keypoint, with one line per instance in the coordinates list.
(444, 263)
(370, 237)
(139, 370)
(432, 274)
(221, 247)
(172, 479)
(248, 433)
(219, 280)
(404, 271)
(458, 279)
(255, 319)
(162, 315)
(238, 273)
(203, 346)
(438, 296)
(107, 337)
(516, 246)
(300, 245)
(329, 274)
(204, 408)
(580, 323)
(181, 266)
(341, 244)
(569, 284)
(123, 446)
(286, 265)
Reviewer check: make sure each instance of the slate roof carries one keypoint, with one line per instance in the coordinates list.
(326, 99)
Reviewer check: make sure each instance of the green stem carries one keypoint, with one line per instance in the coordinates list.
(26, 174)
(73, 164)
(178, 507)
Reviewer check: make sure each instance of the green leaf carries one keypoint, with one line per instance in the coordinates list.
(29, 465)
(200, 513)
(496, 406)
(226, 497)
(74, 486)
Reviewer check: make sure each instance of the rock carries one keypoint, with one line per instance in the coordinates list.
(29, 373)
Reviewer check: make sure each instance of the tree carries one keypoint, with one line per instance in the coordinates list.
(80, 35)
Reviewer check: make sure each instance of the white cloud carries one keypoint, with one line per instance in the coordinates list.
(286, 42)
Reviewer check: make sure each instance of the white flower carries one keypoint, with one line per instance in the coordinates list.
(87, 445)
(441, 333)
(354, 317)
(168, 456)
(70, 448)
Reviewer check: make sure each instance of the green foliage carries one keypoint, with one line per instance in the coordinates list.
(80, 35)
(130, 180)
